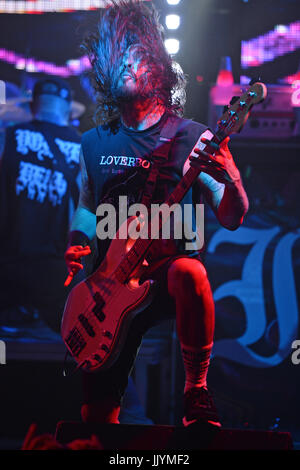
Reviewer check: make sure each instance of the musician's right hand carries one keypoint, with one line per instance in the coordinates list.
(73, 256)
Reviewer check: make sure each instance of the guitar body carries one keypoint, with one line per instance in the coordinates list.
(99, 310)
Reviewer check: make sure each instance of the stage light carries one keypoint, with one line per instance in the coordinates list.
(281, 28)
(30, 66)
(295, 97)
(46, 6)
(173, 2)
(172, 21)
(72, 67)
(20, 64)
(172, 45)
(2, 92)
(282, 40)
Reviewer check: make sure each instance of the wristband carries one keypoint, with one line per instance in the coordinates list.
(76, 237)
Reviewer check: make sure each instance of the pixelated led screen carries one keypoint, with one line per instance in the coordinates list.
(282, 40)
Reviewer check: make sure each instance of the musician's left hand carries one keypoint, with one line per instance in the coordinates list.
(220, 166)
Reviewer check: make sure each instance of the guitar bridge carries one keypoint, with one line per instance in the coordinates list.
(86, 325)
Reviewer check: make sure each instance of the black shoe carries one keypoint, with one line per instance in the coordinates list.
(199, 407)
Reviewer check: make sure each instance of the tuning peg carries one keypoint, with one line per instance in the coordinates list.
(255, 80)
(234, 99)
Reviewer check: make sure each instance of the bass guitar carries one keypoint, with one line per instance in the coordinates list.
(100, 309)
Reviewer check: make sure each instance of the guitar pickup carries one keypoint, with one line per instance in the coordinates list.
(97, 311)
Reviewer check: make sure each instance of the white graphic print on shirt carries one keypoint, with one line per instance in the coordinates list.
(34, 141)
(41, 182)
(123, 160)
(69, 149)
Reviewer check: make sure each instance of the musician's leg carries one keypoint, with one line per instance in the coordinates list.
(103, 391)
(188, 285)
(195, 314)
(182, 283)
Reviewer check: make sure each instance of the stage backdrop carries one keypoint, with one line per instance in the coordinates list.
(255, 274)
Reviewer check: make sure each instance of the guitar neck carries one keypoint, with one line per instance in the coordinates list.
(139, 249)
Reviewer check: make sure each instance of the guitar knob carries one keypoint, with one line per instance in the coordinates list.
(107, 334)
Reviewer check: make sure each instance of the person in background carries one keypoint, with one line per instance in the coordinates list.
(39, 189)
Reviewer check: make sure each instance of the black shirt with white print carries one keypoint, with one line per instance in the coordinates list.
(38, 185)
(117, 163)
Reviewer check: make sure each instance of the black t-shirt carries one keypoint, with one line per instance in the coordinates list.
(118, 163)
(38, 172)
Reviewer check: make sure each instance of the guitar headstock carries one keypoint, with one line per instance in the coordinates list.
(237, 114)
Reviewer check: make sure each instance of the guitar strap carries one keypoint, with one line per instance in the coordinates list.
(160, 154)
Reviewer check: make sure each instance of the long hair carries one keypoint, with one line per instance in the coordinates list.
(123, 24)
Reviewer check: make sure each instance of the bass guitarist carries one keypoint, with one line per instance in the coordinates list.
(138, 88)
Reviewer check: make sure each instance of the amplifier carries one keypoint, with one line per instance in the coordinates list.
(274, 118)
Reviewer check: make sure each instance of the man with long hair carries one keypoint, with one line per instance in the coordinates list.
(138, 88)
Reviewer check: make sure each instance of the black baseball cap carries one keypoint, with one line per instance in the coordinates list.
(52, 86)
